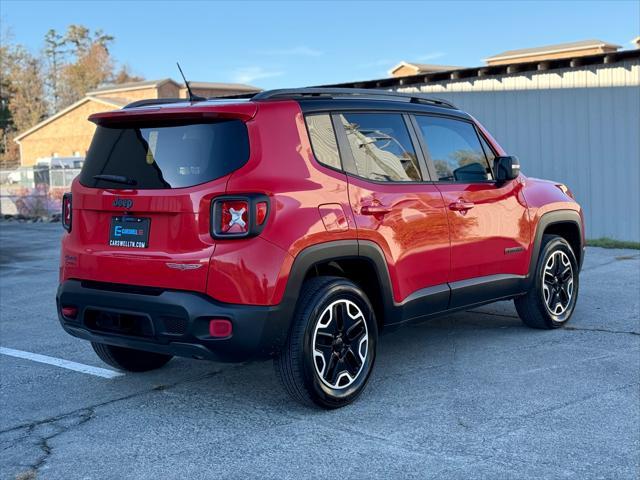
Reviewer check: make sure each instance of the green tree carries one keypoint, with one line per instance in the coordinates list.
(90, 66)
(82, 40)
(54, 53)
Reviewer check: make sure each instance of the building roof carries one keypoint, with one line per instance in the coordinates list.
(488, 71)
(223, 86)
(550, 49)
(115, 87)
(118, 102)
(422, 67)
(115, 101)
(120, 87)
(111, 102)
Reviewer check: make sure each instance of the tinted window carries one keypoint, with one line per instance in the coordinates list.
(166, 156)
(323, 140)
(487, 150)
(454, 148)
(381, 147)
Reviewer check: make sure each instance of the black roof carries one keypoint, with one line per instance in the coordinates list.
(328, 99)
(351, 93)
(325, 99)
(368, 104)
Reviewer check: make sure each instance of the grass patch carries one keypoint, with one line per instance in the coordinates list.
(611, 243)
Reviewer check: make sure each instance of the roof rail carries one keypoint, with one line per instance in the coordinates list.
(154, 101)
(332, 93)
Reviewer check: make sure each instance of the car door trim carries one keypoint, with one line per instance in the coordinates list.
(423, 303)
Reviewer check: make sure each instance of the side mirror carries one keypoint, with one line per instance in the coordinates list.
(506, 168)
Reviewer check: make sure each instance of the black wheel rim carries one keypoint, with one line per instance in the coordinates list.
(557, 283)
(340, 344)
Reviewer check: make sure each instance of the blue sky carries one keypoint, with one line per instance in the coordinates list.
(284, 44)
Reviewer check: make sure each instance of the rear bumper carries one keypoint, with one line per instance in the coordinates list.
(172, 322)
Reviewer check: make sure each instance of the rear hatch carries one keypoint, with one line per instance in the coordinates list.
(141, 204)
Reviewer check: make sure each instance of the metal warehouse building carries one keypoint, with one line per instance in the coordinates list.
(574, 119)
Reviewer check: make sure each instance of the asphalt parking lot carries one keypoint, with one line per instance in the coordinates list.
(472, 395)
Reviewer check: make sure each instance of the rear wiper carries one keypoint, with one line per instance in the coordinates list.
(116, 179)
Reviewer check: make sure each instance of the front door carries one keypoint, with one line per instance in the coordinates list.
(394, 204)
(488, 223)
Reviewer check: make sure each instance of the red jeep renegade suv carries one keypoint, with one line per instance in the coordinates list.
(298, 224)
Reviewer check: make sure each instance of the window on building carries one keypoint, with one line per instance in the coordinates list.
(381, 147)
(323, 140)
(455, 149)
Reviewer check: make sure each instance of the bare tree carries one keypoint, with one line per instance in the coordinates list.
(124, 75)
(91, 68)
(23, 95)
(31, 87)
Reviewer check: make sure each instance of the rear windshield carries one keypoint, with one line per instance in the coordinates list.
(167, 156)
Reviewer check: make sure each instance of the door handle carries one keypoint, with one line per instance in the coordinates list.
(374, 210)
(461, 206)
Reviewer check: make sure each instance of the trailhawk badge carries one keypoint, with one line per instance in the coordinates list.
(184, 266)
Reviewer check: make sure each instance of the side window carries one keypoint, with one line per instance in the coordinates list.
(487, 150)
(323, 140)
(455, 149)
(381, 147)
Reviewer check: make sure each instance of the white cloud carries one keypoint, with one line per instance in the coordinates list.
(250, 74)
(430, 56)
(300, 50)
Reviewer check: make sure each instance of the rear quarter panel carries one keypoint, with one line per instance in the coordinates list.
(282, 166)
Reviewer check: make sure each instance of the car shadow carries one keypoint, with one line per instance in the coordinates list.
(427, 345)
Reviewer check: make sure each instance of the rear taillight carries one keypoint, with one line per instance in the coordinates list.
(67, 214)
(234, 216)
(239, 216)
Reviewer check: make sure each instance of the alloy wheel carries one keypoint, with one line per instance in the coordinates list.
(340, 344)
(557, 283)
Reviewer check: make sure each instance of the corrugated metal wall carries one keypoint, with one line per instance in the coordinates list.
(580, 126)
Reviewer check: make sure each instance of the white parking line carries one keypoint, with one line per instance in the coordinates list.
(58, 362)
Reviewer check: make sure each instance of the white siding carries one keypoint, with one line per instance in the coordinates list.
(579, 126)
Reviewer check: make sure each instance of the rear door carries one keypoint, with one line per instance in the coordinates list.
(141, 202)
(488, 222)
(394, 203)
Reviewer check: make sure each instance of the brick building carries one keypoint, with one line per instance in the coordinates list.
(68, 133)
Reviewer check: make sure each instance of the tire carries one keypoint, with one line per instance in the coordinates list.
(129, 359)
(539, 307)
(331, 346)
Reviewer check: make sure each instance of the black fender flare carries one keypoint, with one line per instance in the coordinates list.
(546, 220)
(336, 250)
(434, 298)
